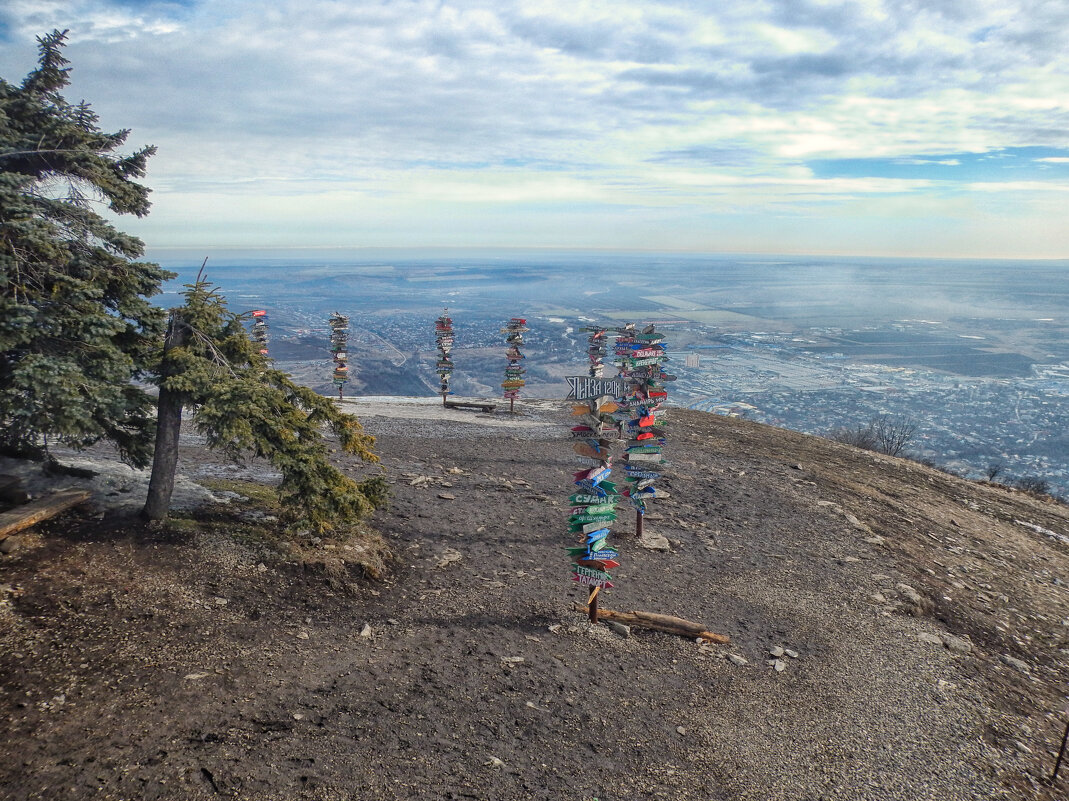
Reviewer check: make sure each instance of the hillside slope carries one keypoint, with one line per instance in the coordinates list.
(928, 616)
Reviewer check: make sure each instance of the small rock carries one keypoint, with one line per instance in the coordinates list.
(909, 594)
(779, 665)
(366, 631)
(618, 628)
(1016, 663)
(10, 545)
(196, 676)
(456, 471)
(495, 763)
(447, 496)
(448, 556)
(776, 651)
(1024, 749)
(853, 521)
(512, 660)
(931, 639)
(875, 540)
(956, 644)
(879, 597)
(302, 635)
(555, 628)
(790, 653)
(851, 559)
(681, 730)
(735, 659)
(221, 602)
(261, 568)
(654, 542)
(298, 716)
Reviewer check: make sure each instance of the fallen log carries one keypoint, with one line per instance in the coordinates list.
(34, 512)
(665, 623)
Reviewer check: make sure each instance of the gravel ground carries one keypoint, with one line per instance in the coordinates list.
(922, 621)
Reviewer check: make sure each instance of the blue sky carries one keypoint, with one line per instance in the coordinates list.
(936, 128)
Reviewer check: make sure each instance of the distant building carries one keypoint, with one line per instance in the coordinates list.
(693, 360)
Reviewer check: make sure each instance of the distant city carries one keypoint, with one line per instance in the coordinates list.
(976, 354)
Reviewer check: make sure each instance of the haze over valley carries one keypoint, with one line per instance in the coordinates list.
(975, 352)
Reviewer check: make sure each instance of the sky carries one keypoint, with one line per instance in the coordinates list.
(866, 127)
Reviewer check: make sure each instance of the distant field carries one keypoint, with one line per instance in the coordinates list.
(631, 316)
(675, 303)
(734, 320)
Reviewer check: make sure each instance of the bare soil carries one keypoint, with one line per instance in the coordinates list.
(198, 660)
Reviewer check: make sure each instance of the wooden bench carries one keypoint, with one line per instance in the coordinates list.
(483, 407)
(35, 511)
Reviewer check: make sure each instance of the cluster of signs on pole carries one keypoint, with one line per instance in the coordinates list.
(339, 349)
(443, 336)
(626, 407)
(514, 369)
(259, 330)
(639, 359)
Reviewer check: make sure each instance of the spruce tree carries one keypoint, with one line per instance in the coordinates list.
(76, 326)
(244, 406)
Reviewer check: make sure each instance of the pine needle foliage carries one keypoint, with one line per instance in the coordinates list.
(76, 325)
(244, 406)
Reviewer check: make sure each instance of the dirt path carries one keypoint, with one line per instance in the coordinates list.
(153, 666)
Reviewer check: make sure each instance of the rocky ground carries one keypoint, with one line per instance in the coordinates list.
(897, 633)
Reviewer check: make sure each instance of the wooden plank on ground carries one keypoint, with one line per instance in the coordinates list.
(34, 512)
(665, 623)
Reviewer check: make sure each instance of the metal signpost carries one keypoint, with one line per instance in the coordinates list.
(514, 370)
(443, 335)
(339, 348)
(259, 330)
(593, 507)
(639, 359)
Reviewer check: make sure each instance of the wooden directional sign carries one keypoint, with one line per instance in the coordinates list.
(600, 433)
(590, 578)
(586, 528)
(650, 448)
(587, 581)
(642, 474)
(577, 522)
(595, 507)
(595, 536)
(581, 497)
(582, 387)
(603, 553)
(591, 450)
(582, 552)
(644, 457)
(598, 564)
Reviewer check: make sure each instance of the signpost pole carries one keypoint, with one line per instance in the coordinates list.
(514, 369)
(339, 347)
(595, 501)
(443, 334)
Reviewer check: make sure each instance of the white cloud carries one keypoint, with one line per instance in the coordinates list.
(616, 105)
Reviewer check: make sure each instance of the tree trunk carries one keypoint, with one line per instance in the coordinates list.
(168, 426)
